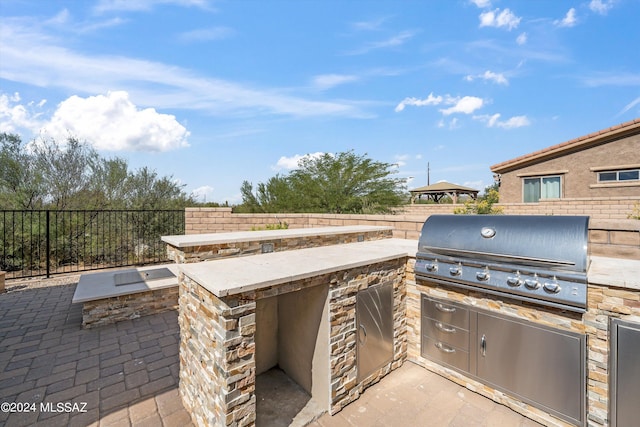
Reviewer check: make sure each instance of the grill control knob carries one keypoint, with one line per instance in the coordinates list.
(532, 283)
(483, 276)
(552, 287)
(514, 281)
(432, 267)
(455, 271)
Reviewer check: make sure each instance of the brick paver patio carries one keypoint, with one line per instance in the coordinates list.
(127, 375)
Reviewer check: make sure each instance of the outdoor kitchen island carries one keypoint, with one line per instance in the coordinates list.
(298, 310)
(240, 317)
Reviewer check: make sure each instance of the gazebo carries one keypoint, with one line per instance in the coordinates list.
(438, 190)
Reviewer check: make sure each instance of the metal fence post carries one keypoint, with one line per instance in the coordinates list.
(47, 239)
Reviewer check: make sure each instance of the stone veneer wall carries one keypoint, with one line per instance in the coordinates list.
(231, 249)
(610, 234)
(603, 304)
(125, 307)
(343, 334)
(217, 343)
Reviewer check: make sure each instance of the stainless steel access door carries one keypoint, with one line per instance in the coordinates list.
(543, 366)
(374, 320)
(625, 373)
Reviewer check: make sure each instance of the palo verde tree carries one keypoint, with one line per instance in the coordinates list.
(331, 183)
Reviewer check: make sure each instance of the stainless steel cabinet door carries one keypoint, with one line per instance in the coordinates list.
(374, 319)
(625, 373)
(541, 365)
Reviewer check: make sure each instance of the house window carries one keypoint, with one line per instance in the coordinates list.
(619, 175)
(544, 187)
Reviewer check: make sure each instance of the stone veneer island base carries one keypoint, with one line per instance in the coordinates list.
(240, 317)
(105, 299)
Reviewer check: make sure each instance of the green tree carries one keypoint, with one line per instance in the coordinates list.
(340, 183)
(67, 171)
(21, 181)
(108, 184)
(72, 175)
(484, 204)
(148, 191)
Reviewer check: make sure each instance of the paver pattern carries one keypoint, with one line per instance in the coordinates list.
(127, 374)
(414, 397)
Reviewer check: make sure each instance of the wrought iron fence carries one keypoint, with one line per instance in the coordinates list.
(47, 242)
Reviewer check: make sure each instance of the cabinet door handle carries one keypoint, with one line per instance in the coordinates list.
(483, 345)
(363, 332)
(445, 309)
(443, 328)
(444, 348)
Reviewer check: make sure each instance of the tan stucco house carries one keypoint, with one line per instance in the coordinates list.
(601, 164)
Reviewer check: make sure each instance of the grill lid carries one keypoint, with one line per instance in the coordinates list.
(548, 242)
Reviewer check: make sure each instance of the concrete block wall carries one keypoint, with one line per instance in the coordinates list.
(597, 207)
(189, 254)
(610, 234)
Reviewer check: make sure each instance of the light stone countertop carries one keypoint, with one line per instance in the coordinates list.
(236, 275)
(100, 285)
(621, 273)
(188, 240)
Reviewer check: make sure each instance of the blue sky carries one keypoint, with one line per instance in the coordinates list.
(217, 92)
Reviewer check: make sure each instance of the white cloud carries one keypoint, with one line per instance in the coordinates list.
(600, 6)
(453, 124)
(482, 3)
(394, 41)
(114, 123)
(63, 17)
(35, 58)
(569, 19)
(612, 79)
(15, 116)
(465, 105)
(204, 193)
(630, 106)
(494, 121)
(293, 162)
(495, 18)
(429, 100)
(498, 78)
(206, 34)
(401, 159)
(145, 5)
(522, 39)
(328, 81)
(369, 25)
(478, 185)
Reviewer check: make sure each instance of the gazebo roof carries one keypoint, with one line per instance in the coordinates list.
(444, 187)
(438, 190)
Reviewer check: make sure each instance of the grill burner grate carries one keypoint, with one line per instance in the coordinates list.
(541, 259)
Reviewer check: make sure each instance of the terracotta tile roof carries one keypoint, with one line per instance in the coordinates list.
(573, 144)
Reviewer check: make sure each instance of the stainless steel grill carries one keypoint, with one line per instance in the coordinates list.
(540, 259)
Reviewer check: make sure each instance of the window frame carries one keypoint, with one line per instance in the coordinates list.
(540, 179)
(617, 176)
